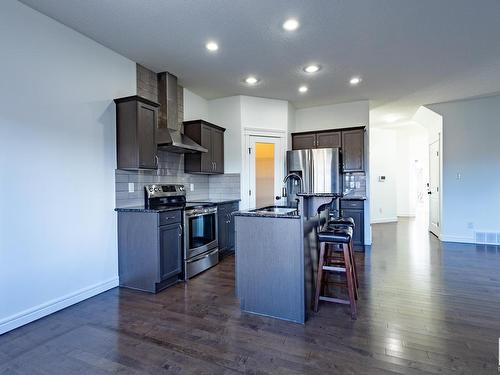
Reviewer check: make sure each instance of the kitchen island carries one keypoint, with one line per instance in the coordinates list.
(276, 258)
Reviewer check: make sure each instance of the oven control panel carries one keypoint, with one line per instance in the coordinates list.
(154, 190)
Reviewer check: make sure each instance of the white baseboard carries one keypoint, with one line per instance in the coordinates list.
(406, 214)
(384, 220)
(37, 312)
(460, 239)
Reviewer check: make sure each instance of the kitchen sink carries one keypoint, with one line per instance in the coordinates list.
(277, 210)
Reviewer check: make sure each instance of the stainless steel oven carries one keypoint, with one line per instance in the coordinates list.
(200, 239)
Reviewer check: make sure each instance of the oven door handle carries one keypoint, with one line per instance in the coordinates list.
(202, 256)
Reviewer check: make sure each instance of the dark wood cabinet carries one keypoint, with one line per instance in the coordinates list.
(349, 140)
(136, 122)
(353, 155)
(170, 250)
(226, 229)
(303, 141)
(355, 209)
(217, 147)
(211, 137)
(149, 249)
(329, 139)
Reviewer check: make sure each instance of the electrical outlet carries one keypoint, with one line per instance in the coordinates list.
(358, 184)
(380, 210)
(191, 187)
(131, 188)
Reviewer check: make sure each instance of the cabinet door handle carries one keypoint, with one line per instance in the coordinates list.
(215, 165)
(156, 161)
(180, 230)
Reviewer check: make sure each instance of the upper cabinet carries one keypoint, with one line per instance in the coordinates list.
(353, 154)
(350, 140)
(211, 137)
(136, 122)
(303, 141)
(328, 139)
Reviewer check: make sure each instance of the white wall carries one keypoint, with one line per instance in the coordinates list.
(431, 121)
(383, 156)
(57, 129)
(261, 113)
(332, 116)
(400, 153)
(470, 148)
(195, 107)
(412, 154)
(226, 112)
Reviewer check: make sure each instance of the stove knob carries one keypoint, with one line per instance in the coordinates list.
(151, 189)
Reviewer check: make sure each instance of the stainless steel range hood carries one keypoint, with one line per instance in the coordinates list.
(177, 142)
(169, 136)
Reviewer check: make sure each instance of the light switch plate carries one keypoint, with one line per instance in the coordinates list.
(131, 187)
(191, 187)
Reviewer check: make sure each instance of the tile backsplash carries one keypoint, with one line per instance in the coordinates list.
(354, 184)
(224, 186)
(171, 171)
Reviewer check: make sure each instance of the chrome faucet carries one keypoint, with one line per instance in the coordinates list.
(287, 177)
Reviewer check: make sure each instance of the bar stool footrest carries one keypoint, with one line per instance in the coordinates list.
(335, 300)
(334, 269)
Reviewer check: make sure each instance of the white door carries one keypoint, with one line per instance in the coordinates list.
(265, 171)
(434, 189)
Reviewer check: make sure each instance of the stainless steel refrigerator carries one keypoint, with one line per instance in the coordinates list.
(319, 169)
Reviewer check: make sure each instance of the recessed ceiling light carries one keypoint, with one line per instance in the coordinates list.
(312, 68)
(251, 80)
(355, 81)
(212, 46)
(303, 89)
(291, 24)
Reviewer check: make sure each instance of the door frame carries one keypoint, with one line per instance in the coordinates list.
(281, 137)
(437, 231)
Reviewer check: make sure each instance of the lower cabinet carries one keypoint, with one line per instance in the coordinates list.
(149, 249)
(170, 250)
(226, 229)
(355, 209)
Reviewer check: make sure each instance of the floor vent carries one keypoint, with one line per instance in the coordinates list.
(488, 238)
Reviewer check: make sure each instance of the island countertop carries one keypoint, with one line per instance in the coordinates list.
(256, 212)
(326, 195)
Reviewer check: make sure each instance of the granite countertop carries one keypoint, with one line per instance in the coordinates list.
(354, 197)
(276, 215)
(333, 195)
(142, 209)
(215, 201)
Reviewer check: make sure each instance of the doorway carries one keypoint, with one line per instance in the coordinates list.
(265, 170)
(434, 188)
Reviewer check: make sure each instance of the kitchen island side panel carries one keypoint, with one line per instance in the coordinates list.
(270, 267)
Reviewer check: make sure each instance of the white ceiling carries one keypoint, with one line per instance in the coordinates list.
(409, 52)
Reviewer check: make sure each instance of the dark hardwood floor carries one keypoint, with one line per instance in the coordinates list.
(424, 308)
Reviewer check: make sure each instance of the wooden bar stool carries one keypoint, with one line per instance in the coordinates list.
(336, 238)
(346, 222)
